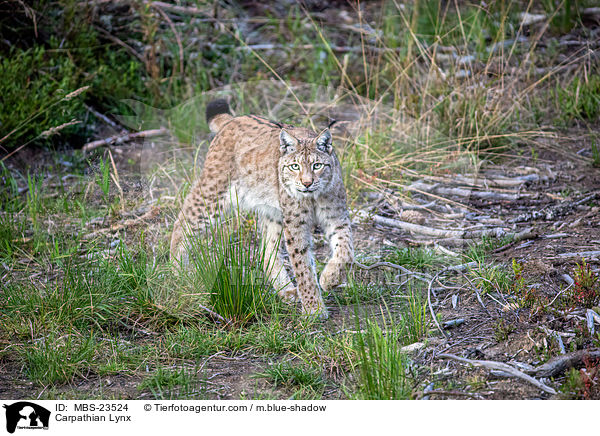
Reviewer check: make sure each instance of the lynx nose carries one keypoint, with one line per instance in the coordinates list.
(307, 183)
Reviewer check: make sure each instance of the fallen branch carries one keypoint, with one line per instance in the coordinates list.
(119, 139)
(580, 254)
(559, 364)
(182, 10)
(215, 316)
(104, 118)
(525, 234)
(499, 366)
(395, 266)
(497, 232)
(500, 182)
(453, 393)
(464, 192)
(437, 324)
(127, 223)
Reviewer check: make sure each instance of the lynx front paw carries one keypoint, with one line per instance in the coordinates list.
(318, 311)
(180, 256)
(289, 294)
(332, 276)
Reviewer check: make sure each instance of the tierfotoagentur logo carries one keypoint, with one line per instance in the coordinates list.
(26, 415)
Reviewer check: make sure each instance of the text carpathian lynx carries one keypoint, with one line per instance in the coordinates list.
(291, 178)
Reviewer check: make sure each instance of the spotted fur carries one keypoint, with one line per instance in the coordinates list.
(291, 178)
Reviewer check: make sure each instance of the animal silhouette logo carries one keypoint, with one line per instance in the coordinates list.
(26, 415)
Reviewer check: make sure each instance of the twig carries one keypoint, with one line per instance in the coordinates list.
(437, 324)
(580, 254)
(182, 10)
(215, 316)
(430, 231)
(490, 364)
(393, 265)
(525, 234)
(104, 118)
(157, 6)
(560, 364)
(459, 268)
(119, 139)
(127, 223)
(455, 393)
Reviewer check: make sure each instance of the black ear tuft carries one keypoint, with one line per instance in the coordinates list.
(323, 141)
(287, 142)
(215, 108)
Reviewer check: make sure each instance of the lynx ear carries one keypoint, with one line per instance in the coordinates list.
(323, 141)
(287, 142)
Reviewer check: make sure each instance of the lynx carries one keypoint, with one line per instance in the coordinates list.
(290, 177)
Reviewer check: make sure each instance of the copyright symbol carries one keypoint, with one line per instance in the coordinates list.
(147, 407)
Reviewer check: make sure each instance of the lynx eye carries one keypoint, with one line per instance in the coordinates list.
(317, 166)
(295, 167)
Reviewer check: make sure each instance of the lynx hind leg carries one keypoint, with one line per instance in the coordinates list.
(272, 232)
(190, 220)
(200, 207)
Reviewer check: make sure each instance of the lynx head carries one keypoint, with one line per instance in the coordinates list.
(306, 162)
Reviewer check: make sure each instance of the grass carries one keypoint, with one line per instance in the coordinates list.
(418, 258)
(382, 368)
(56, 360)
(181, 383)
(232, 270)
(442, 87)
(303, 379)
(578, 99)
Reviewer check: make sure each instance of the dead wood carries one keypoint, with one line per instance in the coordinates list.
(120, 139)
(104, 118)
(553, 212)
(465, 192)
(182, 10)
(497, 232)
(395, 266)
(559, 364)
(127, 223)
(580, 254)
(215, 316)
(525, 234)
(452, 394)
(504, 368)
(437, 324)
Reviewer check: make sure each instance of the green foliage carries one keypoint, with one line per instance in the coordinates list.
(502, 330)
(103, 180)
(415, 322)
(382, 367)
(564, 15)
(230, 268)
(578, 99)
(586, 287)
(93, 294)
(9, 191)
(477, 252)
(416, 258)
(73, 57)
(182, 383)
(34, 198)
(595, 153)
(55, 360)
(46, 78)
(294, 376)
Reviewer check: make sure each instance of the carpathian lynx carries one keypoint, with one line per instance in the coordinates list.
(291, 178)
